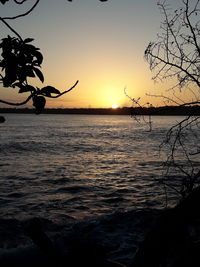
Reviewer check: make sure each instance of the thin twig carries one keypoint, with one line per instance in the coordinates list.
(65, 92)
(23, 14)
(16, 33)
(34, 93)
(17, 104)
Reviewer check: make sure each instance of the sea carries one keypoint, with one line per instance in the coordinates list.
(75, 172)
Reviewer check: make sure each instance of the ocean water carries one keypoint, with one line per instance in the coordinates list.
(79, 165)
(71, 168)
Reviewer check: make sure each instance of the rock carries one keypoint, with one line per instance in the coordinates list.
(174, 240)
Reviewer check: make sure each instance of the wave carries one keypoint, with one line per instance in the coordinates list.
(22, 146)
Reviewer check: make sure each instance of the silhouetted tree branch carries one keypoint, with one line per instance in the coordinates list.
(23, 14)
(176, 55)
(137, 103)
(41, 93)
(10, 28)
(21, 60)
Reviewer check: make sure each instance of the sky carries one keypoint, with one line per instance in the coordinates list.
(100, 44)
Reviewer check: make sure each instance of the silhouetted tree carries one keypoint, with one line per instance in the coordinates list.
(176, 52)
(175, 55)
(20, 59)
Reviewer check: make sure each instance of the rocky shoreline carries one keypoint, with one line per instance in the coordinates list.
(137, 238)
(113, 238)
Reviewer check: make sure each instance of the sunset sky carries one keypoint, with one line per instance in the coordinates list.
(100, 44)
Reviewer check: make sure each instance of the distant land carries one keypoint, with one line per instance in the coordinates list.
(153, 111)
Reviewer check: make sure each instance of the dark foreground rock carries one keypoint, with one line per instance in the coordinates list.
(175, 238)
(166, 238)
(107, 241)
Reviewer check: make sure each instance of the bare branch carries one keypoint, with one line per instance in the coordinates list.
(179, 67)
(24, 14)
(35, 93)
(165, 97)
(16, 33)
(190, 25)
(17, 104)
(176, 53)
(65, 92)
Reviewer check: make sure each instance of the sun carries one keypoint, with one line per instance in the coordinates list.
(115, 106)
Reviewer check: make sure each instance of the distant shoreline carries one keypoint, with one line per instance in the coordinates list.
(134, 111)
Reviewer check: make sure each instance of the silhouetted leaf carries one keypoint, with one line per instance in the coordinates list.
(3, 1)
(48, 90)
(2, 119)
(25, 71)
(39, 74)
(21, 77)
(18, 84)
(28, 40)
(27, 88)
(39, 103)
(39, 57)
(2, 64)
(10, 77)
(29, 48)
(29, 72)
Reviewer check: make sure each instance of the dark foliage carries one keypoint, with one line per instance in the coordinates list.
(174, 239)
(21, 60)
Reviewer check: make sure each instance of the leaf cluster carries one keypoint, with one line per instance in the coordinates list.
(20, 60)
